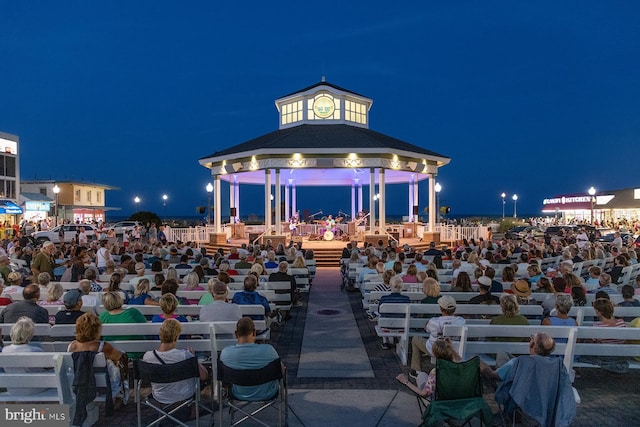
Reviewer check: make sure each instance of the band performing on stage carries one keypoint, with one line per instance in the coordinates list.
(327, 227)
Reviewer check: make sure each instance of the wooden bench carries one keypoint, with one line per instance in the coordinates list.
(587, 347)
(472, 340)
(405, 321)
(49, 379)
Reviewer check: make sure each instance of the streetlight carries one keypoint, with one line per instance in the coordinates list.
(515, 201)
(56, 191)
(164, 205)
(136, 200)
(592, 193)
(209, 189)
(438, 189)
(503, 195)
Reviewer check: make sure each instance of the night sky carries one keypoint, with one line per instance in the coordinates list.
(530, 97)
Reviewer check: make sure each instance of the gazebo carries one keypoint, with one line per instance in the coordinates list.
(324, 140)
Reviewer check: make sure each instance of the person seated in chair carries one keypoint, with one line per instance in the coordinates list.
(250, 296)
(167, 353)
(249, 355)
(540, 344)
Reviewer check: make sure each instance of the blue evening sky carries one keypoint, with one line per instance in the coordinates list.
(530, 97)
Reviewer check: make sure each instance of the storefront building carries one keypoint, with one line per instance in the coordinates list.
(605, 206)
(9, 179)
(70, 201)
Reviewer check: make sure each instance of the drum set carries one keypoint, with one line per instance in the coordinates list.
(327, 228)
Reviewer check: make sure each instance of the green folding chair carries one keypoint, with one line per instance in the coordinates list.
(458, 394)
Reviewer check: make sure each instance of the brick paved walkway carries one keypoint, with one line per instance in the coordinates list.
(607, 399)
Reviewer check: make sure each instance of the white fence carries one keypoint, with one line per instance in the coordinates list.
(448, 233)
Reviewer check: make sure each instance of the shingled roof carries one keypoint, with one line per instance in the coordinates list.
(339, 136)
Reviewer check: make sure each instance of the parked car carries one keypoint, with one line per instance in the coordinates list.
(70, 231)
(119, 228)
(521, 231)
(627, 238)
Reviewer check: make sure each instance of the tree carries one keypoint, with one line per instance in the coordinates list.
(146, 217)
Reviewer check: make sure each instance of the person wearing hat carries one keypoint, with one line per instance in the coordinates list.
(522, 290)
(484, 292)
(72, 303)
(219, 310)
(44, 262)
(435, 328)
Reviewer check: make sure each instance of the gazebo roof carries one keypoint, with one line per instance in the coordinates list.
(323, 143)
(323, 139)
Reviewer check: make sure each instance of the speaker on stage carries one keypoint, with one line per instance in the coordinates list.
(415, 209)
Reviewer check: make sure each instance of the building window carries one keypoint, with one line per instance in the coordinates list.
(292, 112)
(43, 191)
(99, 197)
(77, 196)
(11, 166)
(11, 190)
(89, 196)
(2, 165)
(355, 112)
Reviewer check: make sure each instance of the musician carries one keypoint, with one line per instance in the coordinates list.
(293, 225)
(331, 223)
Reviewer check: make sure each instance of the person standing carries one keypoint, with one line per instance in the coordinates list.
(44, 262)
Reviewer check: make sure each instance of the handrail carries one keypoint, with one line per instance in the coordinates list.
(389, 236)
(262, 235)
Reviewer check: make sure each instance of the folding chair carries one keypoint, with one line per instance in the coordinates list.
(538, 388)
(168, 373)
(458, 394)
(228, 377)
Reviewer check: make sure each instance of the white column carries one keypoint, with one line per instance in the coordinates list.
(287, 207)
(359, 196)
(432, 203)
(416, 185)
(353, 201)
(236, 189)
(278, 203)
(382, 199)
(218, 204)
(411, 184)
(267, 199)
(372, 202)
(294, 199)
(232, 199)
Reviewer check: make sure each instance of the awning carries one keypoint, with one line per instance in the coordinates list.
(9, 208)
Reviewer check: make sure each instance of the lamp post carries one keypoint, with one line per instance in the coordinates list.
(164, 205)
(515, 201)
(438, 189)
(592, 193)
(209, 189)
(56, 191)
(503, 195)
(136, 200)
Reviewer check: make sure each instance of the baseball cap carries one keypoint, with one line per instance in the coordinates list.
(446, 302)
(71, 298)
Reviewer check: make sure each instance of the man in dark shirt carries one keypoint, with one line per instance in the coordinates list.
(432, 251)
(282, 276)
(484, 296)
(72, 303)
(29, 307)
(184, 263)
